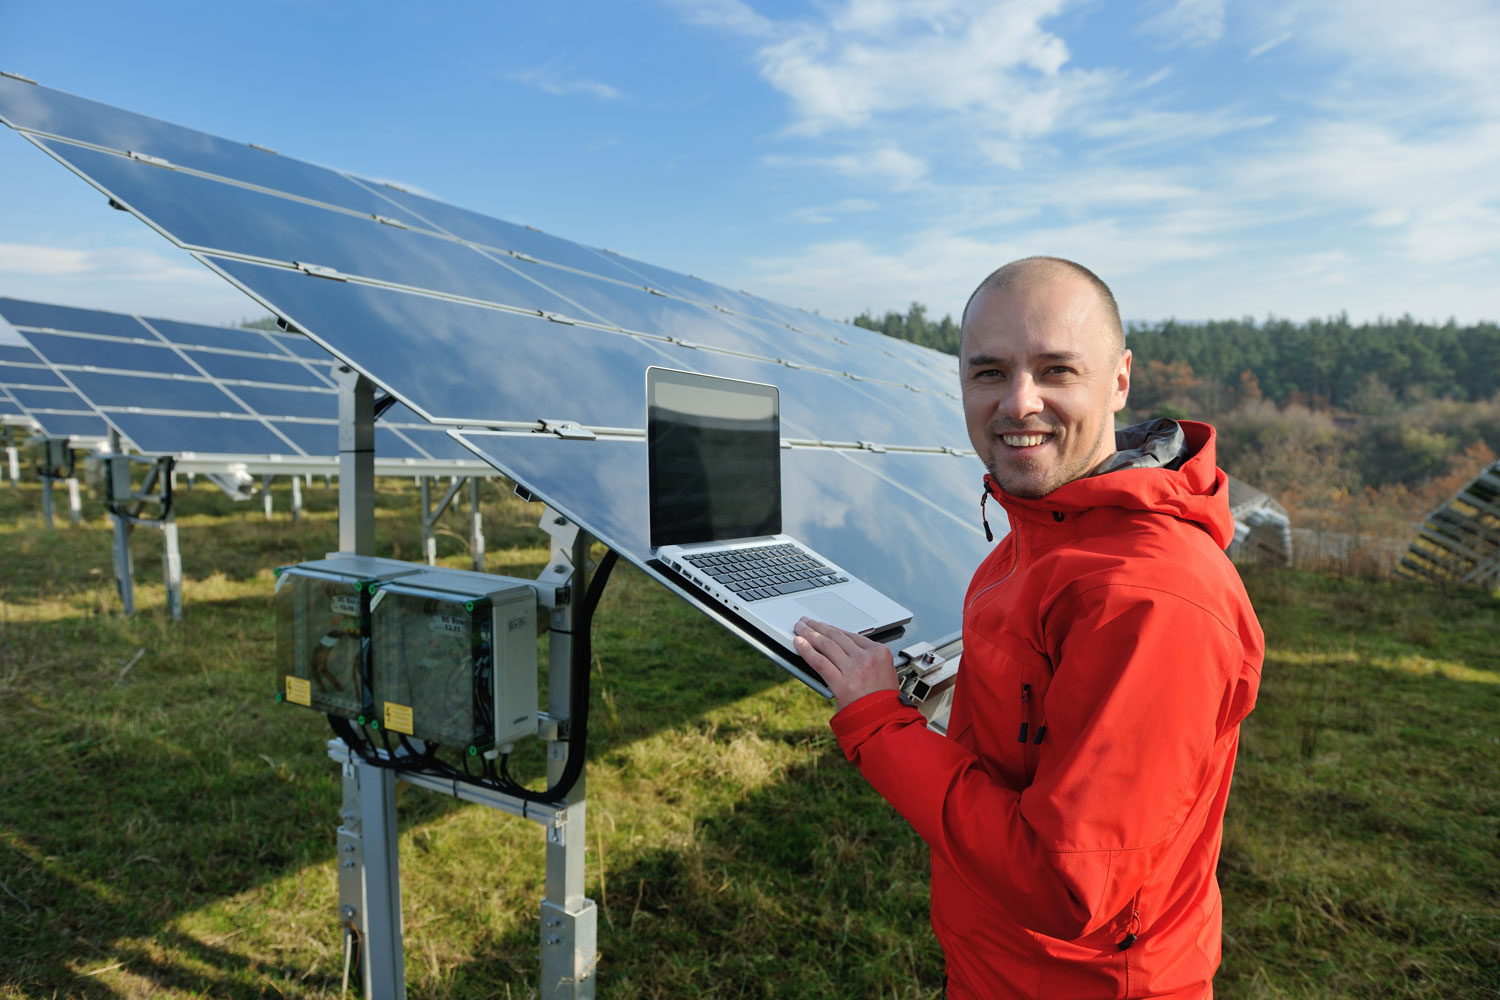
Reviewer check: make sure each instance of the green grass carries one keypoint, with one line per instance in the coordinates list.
(166, 829)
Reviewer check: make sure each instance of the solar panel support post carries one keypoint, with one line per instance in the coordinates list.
(171, 566)
(430, 514)
(12, 457)
(75, 506)
(116, 491)
(356, 463)
(476, 526)
(265, 494)
(569, 932)
(296, 498)
(429, 543)
(369, 873)
(369, 880)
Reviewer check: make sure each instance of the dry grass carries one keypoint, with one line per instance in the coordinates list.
(166, 830)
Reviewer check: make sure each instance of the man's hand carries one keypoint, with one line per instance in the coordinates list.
(851, 665)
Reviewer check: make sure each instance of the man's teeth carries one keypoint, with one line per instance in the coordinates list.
(1023, 440)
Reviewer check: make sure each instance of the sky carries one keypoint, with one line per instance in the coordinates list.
(1209, 159)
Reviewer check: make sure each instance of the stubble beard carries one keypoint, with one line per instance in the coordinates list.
(1019, 485)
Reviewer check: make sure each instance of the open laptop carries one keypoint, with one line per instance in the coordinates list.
(714, 449)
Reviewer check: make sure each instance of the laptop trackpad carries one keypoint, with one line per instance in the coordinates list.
(834, 610)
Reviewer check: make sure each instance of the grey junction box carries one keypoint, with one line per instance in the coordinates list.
(322, 619)
(453, 657)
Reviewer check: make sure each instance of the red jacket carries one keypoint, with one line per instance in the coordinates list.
(1075, 810)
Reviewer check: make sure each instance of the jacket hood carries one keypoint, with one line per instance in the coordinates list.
(1196, 491)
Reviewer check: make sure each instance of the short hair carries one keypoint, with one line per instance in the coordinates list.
(1020, 273)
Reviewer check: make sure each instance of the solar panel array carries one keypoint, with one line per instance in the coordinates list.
(478, 322)
(1460, 541)
(32, 394)
(173, 388)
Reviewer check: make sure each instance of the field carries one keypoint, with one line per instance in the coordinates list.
(167, 829)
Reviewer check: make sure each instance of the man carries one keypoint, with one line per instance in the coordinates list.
(1075, 810)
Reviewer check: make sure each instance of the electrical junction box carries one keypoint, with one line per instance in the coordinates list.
(110, 474)
(53, 457)
(322, 621)
(453, 657)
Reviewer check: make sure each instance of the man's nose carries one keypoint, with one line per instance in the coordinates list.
(1022, 399)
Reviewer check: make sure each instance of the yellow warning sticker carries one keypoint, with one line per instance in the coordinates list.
(298, 690)
(398, 717)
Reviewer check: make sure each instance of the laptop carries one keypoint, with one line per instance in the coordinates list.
(714, 450)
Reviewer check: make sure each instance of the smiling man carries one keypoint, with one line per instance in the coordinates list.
(1075, 810)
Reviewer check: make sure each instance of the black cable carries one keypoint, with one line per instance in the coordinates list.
(580, 663)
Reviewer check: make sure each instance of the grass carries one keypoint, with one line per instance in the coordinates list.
(166, 829)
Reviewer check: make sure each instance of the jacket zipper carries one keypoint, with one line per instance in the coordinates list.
(1025, 712)
(1015, 564)
(1132, 934)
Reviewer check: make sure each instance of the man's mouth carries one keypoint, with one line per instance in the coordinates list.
(1030, 440)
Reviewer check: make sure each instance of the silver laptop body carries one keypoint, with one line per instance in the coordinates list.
(714, 449)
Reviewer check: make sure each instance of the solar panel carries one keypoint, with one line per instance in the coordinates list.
(474, 321)
(188, 389)
(31, 394)
(1460, 541)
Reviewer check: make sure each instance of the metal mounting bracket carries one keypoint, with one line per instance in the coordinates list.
(565, 429)
(924, 670)
(155, 161)
(319, 271)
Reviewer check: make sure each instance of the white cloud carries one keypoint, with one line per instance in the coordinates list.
(888, 164)
(1194, 23)
(22, 258)
(822, 214)
(994, 64)
(1395, 56)
(549, 81)
(1274, 42)
(1157, 129)
(103, 263)
(1369, 157)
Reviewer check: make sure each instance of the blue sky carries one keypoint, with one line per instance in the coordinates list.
(1207, 158)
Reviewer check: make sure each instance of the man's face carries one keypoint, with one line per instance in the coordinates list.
(1041, 383)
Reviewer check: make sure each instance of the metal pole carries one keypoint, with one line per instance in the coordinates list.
(171, 566)
(429, 542)
(75, 506)
(369, 874)
(12, 457)
(265, 494)
(356, 463)
(384, 960)
(569, 932)
(476, 526)
(47, 500)
(296, 498)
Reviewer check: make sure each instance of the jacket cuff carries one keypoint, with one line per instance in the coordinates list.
(856, 723)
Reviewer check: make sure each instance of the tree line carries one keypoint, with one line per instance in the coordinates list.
(1321, 363)
(1385, 419)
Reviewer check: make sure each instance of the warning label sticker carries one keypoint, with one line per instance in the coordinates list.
(298, 690)
(398, 717)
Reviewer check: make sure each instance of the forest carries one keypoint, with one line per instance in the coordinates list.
(1358, 429)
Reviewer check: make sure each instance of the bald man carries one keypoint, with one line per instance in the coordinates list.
(1075, 809)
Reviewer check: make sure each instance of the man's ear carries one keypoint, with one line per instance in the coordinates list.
(1122, 383)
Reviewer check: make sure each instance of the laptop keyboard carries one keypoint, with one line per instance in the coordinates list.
(761, 571)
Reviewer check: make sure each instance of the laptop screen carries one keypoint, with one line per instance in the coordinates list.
(714, 449)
